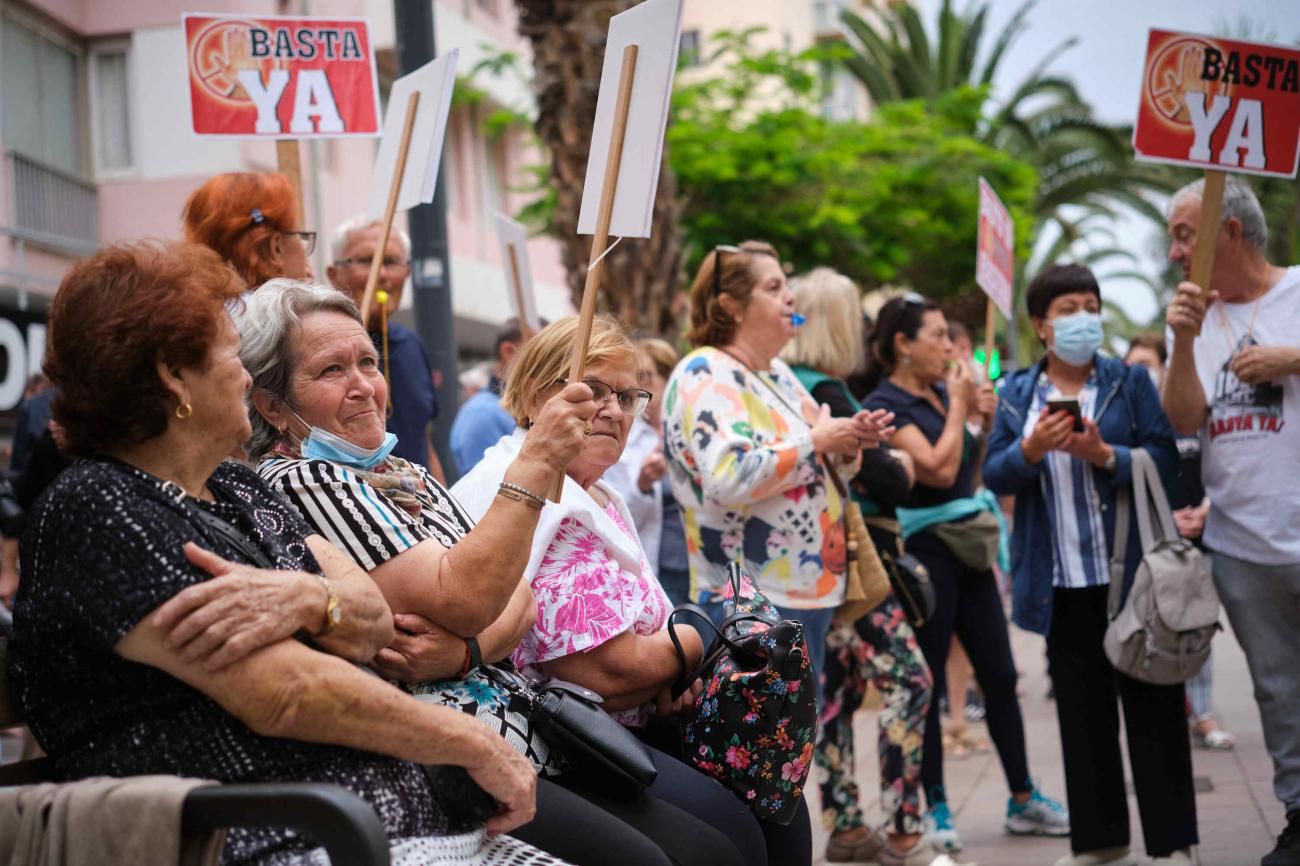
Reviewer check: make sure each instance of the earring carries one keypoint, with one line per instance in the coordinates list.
(184, 411)
(907, 359)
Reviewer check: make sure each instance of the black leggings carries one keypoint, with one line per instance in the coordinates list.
(969, 605)
(581, 832)
(697, 821)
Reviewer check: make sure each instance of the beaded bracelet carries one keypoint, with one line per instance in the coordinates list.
(521, 494)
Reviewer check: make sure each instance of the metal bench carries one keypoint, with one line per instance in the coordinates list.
(340, 821)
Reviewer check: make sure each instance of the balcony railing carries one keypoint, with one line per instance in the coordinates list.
(52, 205)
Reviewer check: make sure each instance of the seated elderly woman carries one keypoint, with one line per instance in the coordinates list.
(177, 617)
(456, 586)
(251, 219)
(600, 608)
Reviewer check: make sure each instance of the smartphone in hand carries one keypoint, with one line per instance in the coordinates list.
(1071, 406)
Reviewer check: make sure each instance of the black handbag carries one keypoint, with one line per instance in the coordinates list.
(753, 725)
(908, 577)
(572, 720)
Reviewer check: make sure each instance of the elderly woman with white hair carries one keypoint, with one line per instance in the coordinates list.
(455, 586)
(413, 403)
(880, 648)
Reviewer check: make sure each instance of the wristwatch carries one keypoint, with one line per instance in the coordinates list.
(333, 607)
(1112, 462)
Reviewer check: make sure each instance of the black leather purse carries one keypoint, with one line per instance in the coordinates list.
(571, 718)
(908, 577)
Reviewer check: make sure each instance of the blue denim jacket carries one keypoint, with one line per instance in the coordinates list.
(1130, 416)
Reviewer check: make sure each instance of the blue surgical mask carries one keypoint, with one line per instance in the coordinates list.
(1076, 338)
(320, 444)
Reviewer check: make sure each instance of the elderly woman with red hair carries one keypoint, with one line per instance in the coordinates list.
(178, 617)
(251, 219)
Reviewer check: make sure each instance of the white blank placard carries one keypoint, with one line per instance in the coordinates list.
(512, 234)
(435, 82)
(654, 26)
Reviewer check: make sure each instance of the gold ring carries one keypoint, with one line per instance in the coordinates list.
(586, 428)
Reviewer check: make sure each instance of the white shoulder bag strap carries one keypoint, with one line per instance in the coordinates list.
(1149, 493)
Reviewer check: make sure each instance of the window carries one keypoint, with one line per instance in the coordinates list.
(688, 52)
(110, 107)
(41, 77)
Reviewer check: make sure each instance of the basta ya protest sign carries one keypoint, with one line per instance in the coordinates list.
(280, 77)
(1219, 104)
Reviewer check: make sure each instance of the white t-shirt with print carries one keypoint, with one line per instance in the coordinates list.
(1250, 445)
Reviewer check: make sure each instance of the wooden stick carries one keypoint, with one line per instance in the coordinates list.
(990, 332)
(525, 330)
(600, 240)
(1207, 231)
(394, 191)
(289, 164)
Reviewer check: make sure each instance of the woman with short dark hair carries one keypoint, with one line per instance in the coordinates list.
(1065, 472)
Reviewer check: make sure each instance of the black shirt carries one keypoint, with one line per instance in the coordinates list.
(102, 550)
(910, 409)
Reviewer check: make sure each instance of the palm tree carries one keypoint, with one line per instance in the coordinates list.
(641, 277)
(1086, 168)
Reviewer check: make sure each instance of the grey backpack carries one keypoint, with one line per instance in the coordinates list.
(1162, 634)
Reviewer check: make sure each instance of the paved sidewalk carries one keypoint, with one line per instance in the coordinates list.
(1238, 816)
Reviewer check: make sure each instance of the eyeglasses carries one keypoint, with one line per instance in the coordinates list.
(365, 260)
(308, 239)
(631, 401)
(717, 265)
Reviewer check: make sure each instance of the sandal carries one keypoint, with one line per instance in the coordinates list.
(972, 742)
(954, 747)
(1216, 739)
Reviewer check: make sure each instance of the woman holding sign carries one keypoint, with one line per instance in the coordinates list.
(1061, 445)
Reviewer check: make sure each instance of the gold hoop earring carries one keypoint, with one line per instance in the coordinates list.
(184, 411)
(907, 359)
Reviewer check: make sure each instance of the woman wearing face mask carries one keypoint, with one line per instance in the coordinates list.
(1065, 482)
(955, 532)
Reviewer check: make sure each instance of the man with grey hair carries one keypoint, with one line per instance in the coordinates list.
(412, 397)
(1238, 384)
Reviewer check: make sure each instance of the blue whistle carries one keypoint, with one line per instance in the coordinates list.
(797, 319)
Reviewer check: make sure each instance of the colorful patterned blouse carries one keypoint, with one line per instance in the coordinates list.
(743, 469)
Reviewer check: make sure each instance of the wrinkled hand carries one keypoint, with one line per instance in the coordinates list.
(556, 435)
(1191, 521)
(874, 427)
(420, 651)
(509, 778)
(1088, 445)
(1186, 312)
(652, 469)
(242, 609)
(836, 435)
(1265, 364)
(986, 400)
(1051, 433)
(666, 705)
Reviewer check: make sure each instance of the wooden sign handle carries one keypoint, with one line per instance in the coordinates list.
(1207, 231)
(604, 214)
(289, 164)
(990, 333)
(394, 192)
(517, 286)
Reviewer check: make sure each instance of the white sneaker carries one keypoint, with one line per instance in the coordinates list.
(1120, 856)
(1183, 857)
(924, 854)
(940, 830)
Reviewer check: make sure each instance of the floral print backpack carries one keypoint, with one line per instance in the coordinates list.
(753, 726)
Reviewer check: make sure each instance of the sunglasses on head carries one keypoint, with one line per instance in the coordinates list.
(717, 265)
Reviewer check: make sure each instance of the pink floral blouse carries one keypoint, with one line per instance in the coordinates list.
(585, 598)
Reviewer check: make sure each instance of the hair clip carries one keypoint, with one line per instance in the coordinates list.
(258, 219)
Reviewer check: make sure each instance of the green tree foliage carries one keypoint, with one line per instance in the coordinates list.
(894, 199)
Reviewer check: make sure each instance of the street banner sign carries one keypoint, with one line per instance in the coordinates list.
(280, 77)
(654, 28)
(513, 238)
(1219, 104)
(994, 254)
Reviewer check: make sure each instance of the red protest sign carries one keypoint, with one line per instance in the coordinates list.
(279, 77)
(994, 257)
(1219, 104)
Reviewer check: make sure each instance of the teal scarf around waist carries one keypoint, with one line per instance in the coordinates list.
(914, 520)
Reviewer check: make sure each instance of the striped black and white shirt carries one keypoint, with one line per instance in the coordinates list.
(360, 519)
